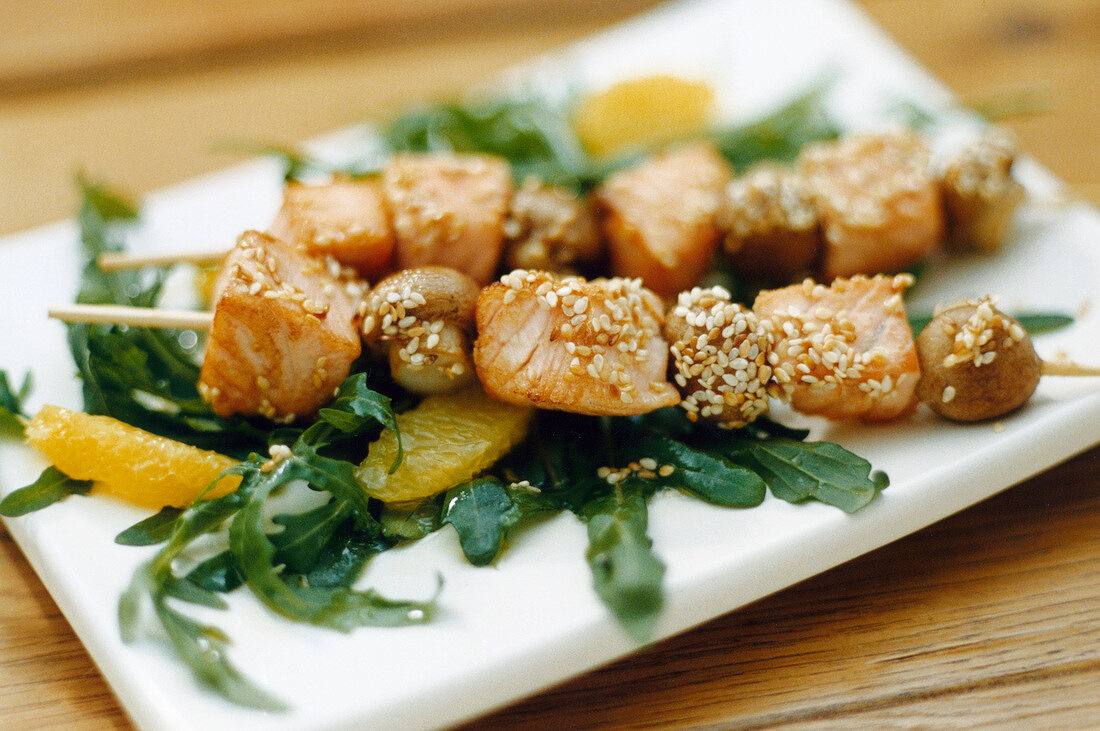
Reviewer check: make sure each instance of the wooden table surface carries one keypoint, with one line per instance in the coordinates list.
(990, 617)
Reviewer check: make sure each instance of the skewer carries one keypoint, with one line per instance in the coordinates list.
(117, 261)
(137, 316)
(1067, 368)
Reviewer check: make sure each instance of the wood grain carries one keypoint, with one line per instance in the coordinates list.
(150, 125)
(991, 617)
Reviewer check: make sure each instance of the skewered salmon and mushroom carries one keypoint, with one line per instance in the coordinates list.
(436, 227)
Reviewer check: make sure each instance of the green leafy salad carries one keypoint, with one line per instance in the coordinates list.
(604, 470)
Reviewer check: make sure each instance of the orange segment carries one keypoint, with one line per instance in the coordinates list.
(127, 462)
(447, 439)
(641, 112)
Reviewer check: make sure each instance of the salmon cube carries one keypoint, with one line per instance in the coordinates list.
(285, 331)
(879, 203)
(448, 210)
(567, 344)
(345, 218)
(844, 351)
(659, 217)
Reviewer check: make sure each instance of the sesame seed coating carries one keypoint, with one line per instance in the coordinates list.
(424, 317)
(285, 330)
(448, 209)
(720, 357)
(771, 225)
(344, 218)
(985, 332)
(843, 351)
(976, 362)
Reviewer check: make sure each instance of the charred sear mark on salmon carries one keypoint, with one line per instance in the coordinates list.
(285, 331)
(844, 351)
(720, 357)
(589, 347)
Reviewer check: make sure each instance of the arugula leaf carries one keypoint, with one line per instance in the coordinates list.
(536, 137)
(306, 534)
(51, 486)
(422, 520)
(1036, 323)
(797, 471)
(358, 407)
(482, 512)
(303, 572)
(201, 647)
(152, 530)
(707, 476)
(781, 135)
(296, 164)
(338, 608)
(11, 406)
(142, 376)
(625, 572)
(342, 560)
(108, 204)
(216, 574)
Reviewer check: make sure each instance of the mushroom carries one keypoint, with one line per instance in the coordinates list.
(772, 229)
(719, 357)
(422, 320)
(980, 195)
(550, 228)
(978, 363)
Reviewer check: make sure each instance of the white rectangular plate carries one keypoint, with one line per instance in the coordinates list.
(533, 620)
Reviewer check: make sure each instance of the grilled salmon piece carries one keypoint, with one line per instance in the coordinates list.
(844, 351)
(880, 206)
(589, 347)
(344, 218)
(285, 331)
(448, 210)
(659, 217)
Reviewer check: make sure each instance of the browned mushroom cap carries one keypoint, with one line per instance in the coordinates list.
(976, 362)
(980, 195)
(423, 318)
(771, 225)
(720, 357)
(549, 228)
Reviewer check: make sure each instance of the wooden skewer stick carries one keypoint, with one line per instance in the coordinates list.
(116, 261)
(1067, 368)
(138, 316)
